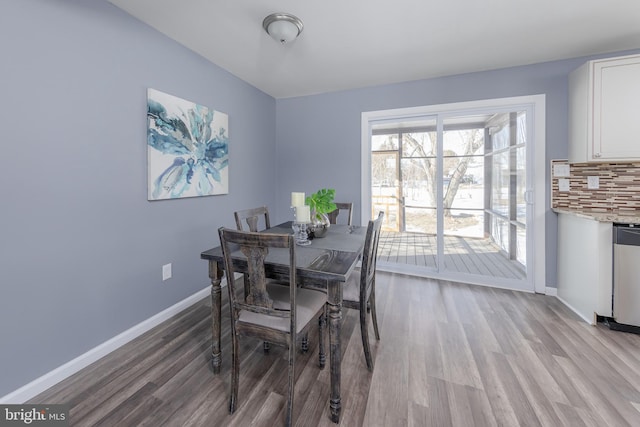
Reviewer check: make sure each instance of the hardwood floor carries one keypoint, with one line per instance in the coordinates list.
(450, 354)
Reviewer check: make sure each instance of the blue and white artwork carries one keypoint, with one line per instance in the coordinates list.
(187, 148)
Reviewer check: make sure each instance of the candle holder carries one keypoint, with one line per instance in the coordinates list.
(300, 233)
(302, 238)
(294, 225)
(300, 225)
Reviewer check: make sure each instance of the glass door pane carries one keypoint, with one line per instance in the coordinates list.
(463, 192)
(463, 176)
(418, 172)
(419, 183)
(507, 207)
(384, 189)
(453, 189)
(521, 189)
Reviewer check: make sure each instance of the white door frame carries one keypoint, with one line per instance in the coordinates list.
(536, 182)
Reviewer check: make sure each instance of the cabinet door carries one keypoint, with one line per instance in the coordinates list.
(616, 109)
(580, 122)
(585, 262)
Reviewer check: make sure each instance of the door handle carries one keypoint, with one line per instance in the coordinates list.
(528, 197)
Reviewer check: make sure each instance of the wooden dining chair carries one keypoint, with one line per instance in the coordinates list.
(252, 218)
(274, 313)
(341, 207)
(359, 292)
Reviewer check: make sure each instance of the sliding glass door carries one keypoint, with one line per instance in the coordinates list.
(453, 186)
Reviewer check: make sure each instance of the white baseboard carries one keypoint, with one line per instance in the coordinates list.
(552, 292)
(51, 378)
(589, 321)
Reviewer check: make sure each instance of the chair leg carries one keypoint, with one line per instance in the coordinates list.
(304, 346)
(292, 373)
(374, 317)
(365, 338)
(322, 322)
(235, 372)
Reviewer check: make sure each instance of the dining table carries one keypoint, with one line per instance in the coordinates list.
(325, 263)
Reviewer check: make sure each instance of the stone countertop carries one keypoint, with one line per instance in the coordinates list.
(625, 217)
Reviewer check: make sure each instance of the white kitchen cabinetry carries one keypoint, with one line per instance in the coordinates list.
(585, 265)
(604, 110)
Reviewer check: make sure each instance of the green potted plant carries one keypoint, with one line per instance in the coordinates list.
(320, 204)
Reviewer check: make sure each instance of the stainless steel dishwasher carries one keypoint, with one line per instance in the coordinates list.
(626, 274)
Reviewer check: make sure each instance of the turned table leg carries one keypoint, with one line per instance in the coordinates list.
(334, 314)
(215, 274)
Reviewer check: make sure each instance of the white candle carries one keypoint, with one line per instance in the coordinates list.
(297, 199)
(303, 214)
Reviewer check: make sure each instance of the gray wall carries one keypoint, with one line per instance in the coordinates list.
(81, 247)
(324, 130)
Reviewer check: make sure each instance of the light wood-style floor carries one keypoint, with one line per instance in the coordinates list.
(461, 254)
(450, 355)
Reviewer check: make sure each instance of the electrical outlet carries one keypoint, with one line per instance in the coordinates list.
(166, 272)
(564, 184)
(593, 182)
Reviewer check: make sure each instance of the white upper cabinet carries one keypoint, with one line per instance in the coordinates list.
(604, 110)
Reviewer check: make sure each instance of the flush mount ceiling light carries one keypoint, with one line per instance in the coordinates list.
(283, 27)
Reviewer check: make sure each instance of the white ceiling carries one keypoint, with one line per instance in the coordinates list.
(349, 44)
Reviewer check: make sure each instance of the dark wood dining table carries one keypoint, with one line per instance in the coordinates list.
(326, 263)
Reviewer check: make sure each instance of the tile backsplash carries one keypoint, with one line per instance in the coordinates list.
(618, 192)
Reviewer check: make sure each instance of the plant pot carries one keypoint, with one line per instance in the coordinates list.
(319, 224)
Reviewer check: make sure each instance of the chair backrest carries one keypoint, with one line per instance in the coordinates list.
(369, 256)
(255, 247)
(252, 218)
(333, 215)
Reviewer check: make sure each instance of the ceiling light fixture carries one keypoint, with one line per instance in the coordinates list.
(283, 27)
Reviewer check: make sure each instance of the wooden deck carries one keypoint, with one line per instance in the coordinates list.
(464, 255)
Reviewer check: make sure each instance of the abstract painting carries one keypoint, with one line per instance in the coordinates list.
(187, 148)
